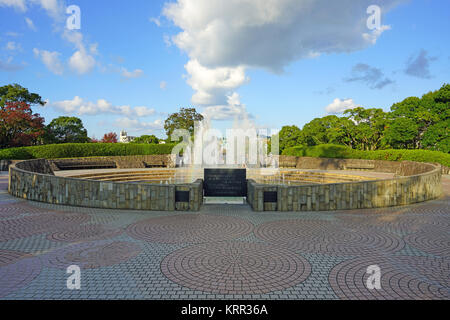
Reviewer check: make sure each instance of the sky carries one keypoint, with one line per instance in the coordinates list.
(127, 65)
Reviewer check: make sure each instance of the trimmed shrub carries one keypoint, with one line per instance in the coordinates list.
(342, 152)
(83, 150)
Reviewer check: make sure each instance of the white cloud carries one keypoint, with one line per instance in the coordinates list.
(270, 33)
(223, 38)
(17, 4)
(233, 109)
(131, 74)
(13, 46)
(127, 123)
(51, 60)
(30, 24)
(54, 8)
(81, 62)
(212, 85)
(163, 85)
(338, 106)
(79, 106)
(155, 21)
(167, 40)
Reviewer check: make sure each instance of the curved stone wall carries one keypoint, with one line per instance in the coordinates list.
(414, 182)
(34, 180)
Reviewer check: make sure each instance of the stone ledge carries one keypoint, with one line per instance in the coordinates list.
(41, 185)
(417, 182)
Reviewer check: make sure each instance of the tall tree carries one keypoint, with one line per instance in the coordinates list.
(19, 126)
(289, 136)
(401, 132)
(427, 113)
(17, 93)
(369, 129)
(329, 129)
(66, 130)
(185, 119)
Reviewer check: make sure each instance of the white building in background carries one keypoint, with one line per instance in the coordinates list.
(125, 138)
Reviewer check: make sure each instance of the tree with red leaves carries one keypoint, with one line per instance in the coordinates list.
(19, 126)
(109, 138)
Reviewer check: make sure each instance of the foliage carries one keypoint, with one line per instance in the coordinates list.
(146, 139)
(430, 116)
(109, 138)
(414, 123)
(185, 119)
(19, 126)
(16, 93)
(330, 129)
(289, 136)
(66, 130)
(72, 150)
(342, 152)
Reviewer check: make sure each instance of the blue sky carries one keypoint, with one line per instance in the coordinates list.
(276, 63)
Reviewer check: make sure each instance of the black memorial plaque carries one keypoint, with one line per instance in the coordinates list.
(225, 183)
(270, 196)
(181, 196)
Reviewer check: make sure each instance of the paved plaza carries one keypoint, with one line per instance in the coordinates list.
(223, 252)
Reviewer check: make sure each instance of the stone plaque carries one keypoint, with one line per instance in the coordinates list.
(225, 183)
(271, 196)
(181, 196)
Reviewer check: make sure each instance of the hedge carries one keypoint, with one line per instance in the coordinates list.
(343, 152)
(83, 150)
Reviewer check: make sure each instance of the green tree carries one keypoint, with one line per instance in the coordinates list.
(329, 129)
(427, 112)
(437, 137)
(289, 136)
(17, 93)
(369, 128)
(185, 119)
(66, 130)
(401, 133)
(150, 139)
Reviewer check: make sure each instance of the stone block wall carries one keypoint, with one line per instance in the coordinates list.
(195, 196)
(45, 187)
(351, 195)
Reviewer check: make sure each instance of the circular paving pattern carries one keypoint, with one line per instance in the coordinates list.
(9, 256)
(31, 225)
(91, 255)
(400, 223)
(84, 233)
(190, 228)
(320, 236)
(13, 209)
(18, 271)
(235, 268)
(436, 243)
(402, 277)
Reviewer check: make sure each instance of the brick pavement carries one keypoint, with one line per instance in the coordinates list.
(224, 252)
